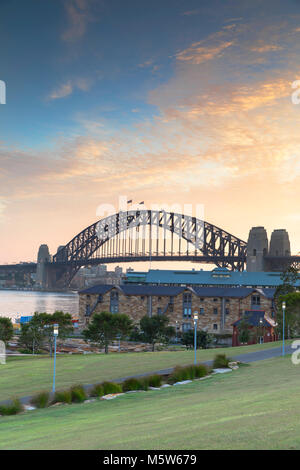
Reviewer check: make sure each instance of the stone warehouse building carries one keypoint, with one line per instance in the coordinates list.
(218, 307)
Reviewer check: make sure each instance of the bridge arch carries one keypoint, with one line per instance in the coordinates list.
(205, 242)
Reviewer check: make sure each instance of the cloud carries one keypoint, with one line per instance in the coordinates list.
(68, 88)
(79, 14)
(196, 54)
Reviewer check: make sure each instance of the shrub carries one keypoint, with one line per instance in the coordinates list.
(179, 374)
(12, 408)
(97, 391)
(188, 373)
(221, 361)
(41, 400)
(154, 380)
(201, 370)
(111, 387)
(134, 384)
(78, 394)
(63, 396)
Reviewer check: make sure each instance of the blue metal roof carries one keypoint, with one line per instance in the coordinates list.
(216, 277)
(254, 318)
(99, 289)
(151, 290)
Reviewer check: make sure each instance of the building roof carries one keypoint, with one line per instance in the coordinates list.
(254, 318)
(98, 289)
(239, 292)
(162, 290)
(217, 277)
(151, 290)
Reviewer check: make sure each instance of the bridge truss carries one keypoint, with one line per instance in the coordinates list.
(143, 235)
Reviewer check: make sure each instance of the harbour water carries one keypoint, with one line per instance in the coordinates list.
(15, 303)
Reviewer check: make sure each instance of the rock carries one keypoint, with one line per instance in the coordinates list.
(183, 382)
(111, 396)
(154, 388)
(221, 371)
(29, 407)
(165, 386)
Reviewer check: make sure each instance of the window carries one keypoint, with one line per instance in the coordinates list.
(227, 311)
(187, 305)
(201, 311)
(227, 301)
(215, 300)
(215, 326)
(202, 299)
(215, 311)
(255, 300)
(186, 327)
(114, 302)
(159, 312)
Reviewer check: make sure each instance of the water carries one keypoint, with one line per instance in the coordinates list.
(16, 303)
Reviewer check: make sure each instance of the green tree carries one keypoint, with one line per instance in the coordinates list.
(105, 326)
(32, 337)
(244, 331)
(292, 314)
(204, 339)
(45, 321)
(6, 329)
(155, 329)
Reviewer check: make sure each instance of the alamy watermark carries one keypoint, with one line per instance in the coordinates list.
(2, 353)
(186, 220)
(296, 94)
(2, 92)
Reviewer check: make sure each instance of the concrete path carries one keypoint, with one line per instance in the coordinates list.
(248, 357)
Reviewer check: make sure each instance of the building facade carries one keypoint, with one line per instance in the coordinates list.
(218, 307)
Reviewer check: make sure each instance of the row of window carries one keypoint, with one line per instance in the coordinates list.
(187, 304)
(188, 326)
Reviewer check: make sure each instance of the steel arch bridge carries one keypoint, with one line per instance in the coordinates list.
(142, 235)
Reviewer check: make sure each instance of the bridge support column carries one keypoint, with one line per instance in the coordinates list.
(257, 249)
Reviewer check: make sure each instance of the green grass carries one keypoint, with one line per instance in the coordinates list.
(23, 376)
(255, 407)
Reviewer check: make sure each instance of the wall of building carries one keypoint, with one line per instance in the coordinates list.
(228, 310)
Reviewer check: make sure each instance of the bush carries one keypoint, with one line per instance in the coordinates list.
(221, 361)
(41, 400)
(13, 408)
(201, 370)
(63, 396)
(97, 391)
(134, 384)
(188, 373)
(154, 380)
(111, 387)
(179, 374)
(78, 394)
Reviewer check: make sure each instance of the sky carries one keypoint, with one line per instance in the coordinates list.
(170, 102)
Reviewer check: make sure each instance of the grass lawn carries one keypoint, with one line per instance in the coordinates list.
(23, 376)
(255, 407)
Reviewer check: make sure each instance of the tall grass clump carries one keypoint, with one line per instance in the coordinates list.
(97, 391)
(132, 384)
(12, 408)
(40, 400)
(181, 373)
(63, 396)
(221, 361)
(78, 394)
(154, 380)
(111, 387)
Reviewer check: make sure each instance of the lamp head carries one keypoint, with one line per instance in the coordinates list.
(55, 329)
(283, 305)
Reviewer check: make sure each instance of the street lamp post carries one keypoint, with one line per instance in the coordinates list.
(283, 326)
(176, 322)
(195, 336)
(261, 332)
(55, 334)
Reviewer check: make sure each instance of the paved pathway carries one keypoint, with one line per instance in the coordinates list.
(247, 357)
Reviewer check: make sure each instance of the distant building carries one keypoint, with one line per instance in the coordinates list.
(218, 307)
(218, 277)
